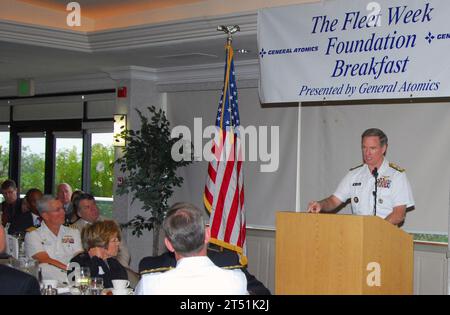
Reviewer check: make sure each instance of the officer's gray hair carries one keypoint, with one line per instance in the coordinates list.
(43, 204)
(184, 227)
(375, 132)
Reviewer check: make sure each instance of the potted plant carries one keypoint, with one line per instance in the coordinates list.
(150, 171)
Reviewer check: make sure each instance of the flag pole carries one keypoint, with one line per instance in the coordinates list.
(229, 30)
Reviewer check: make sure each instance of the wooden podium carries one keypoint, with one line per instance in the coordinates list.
(335, 254)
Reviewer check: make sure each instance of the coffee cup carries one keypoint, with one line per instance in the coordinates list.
(120, 284)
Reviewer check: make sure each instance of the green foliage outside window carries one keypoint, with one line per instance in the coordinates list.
(4, 163)
(68, 169)
(102, 170)
(32, 170)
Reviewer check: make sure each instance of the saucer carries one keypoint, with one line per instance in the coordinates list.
(125, 291)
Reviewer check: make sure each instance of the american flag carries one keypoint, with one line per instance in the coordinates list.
(224, 189)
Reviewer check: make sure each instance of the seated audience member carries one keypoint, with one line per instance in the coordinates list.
(28, 218)
(223, 259)
(89, 213)
(12, 214)
(101, 243)
(63, 194)
(187, 236)
(73, 212)
(52, 244)
(15, 282)
(30, 204)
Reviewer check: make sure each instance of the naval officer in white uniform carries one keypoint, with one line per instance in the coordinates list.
(53, 245)
(393, 191)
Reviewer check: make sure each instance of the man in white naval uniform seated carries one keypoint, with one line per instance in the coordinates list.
(195, 274)
(52, 244)
(393, 191)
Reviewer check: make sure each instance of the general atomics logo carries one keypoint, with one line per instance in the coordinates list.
(262, 53)
(285, 51)
(430, 37)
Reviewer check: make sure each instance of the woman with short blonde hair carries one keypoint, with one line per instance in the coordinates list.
(101, 242)
(99, 234)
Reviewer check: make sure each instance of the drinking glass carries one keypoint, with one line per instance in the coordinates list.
(83, 280)
(96, 286)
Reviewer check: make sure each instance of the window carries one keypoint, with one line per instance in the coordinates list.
(68, 168)
(54, 140)
(32, 162)
(4, 155)
(102, 171)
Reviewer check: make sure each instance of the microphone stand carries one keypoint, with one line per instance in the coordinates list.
(375, 174)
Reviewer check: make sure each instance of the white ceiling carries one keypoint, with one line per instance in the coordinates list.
(26, 61)
(23, 54)
(96, 8)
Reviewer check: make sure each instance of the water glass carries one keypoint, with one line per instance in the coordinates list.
(83, 280)
(96, 286)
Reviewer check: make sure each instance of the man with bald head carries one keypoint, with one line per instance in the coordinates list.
(64, 194)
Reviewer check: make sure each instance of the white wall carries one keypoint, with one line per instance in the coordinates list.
(265, 192)
(419, 141)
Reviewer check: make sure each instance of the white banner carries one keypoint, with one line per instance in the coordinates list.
(353, 49)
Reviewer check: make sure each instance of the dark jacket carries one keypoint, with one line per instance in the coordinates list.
(19, 221)
(16, 282)
(111, 271)
(224, 259)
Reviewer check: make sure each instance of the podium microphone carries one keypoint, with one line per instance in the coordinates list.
(375, 174)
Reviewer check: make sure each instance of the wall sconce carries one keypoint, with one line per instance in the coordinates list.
(120, 125)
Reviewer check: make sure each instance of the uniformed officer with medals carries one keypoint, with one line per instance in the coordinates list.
(388, 198)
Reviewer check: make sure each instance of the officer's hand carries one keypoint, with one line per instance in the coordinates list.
(314, 207)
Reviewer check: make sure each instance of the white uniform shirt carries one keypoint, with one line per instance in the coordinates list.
(393, 189)
(194, 276)
(61, 247)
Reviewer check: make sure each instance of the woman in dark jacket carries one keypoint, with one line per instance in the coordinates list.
(101, 243)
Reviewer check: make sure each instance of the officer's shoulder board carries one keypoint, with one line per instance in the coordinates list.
(233, 267)
(396, 167)
(31, 229)
(354, 168)
(155, 270)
